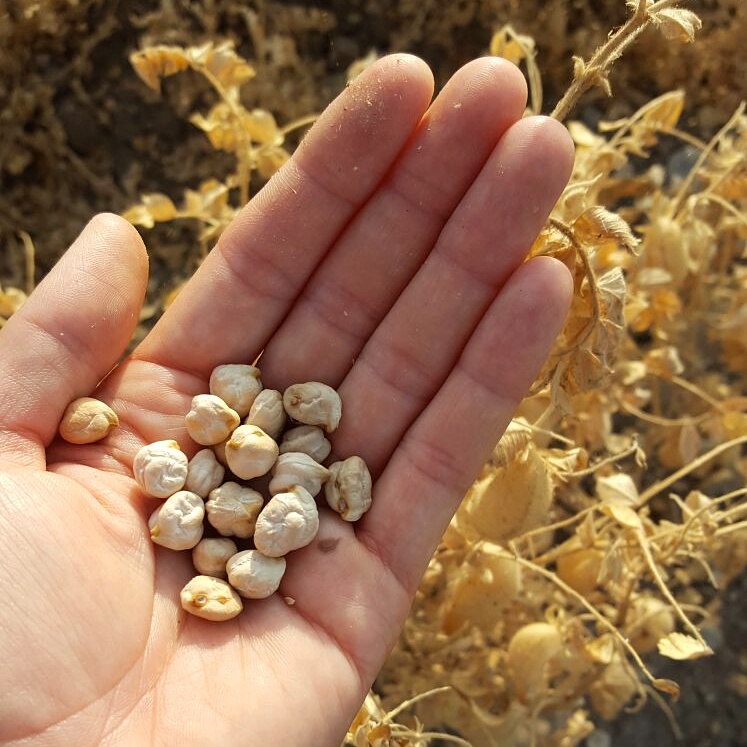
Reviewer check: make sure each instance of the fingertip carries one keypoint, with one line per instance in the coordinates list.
(113, 234)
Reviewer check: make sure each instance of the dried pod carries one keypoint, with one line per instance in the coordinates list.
(289, 520)
(348, 489)
(160, 468)
(481, 589)
(297, 468)
(530, 653)
(210, 598)
(233, 509)
(313, 403)
(204, 473)
(237, 385)
(177, 523)
(87, 420)
(267, 413)
(580, 569)
(254, 575)
(250, 452)
(210, 420)
(210, 555)
(309, 439)
(651, 619)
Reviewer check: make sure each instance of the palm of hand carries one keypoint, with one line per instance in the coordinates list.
(95, 645)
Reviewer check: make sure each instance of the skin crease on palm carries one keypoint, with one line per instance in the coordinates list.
(385, 259)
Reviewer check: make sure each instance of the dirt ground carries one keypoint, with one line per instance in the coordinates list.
(80, 133)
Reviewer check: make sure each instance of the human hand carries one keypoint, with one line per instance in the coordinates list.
(386, 259)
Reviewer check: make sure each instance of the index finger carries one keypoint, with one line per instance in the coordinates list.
(264, 258)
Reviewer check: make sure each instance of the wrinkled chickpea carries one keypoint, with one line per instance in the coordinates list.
(267, 413)
(87, 420)
(288, 522)
(254, 575)
(233, 509)
(177, 524)
(210, 598)
(210, 555)
(160, 468)
(204, 473)
(250, 452)
(348, 489)
(237, 385)
(297, 468)
(309, 439)
(313, 403)
(211, 420)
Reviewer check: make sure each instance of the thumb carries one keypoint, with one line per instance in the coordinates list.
(68, 334)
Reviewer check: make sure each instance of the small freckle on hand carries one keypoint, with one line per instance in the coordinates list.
(328, 545)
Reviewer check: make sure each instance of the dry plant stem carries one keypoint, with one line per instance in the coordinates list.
(559, 549)
(707, 197)
(658, 420)
(608, 460)
(606, 55)
(664, 589)
(655, 489)
(412, 701)
(603, 621)
(244, 169)
(29, 254)
(688, 386)
(659, 700)
(677, 202)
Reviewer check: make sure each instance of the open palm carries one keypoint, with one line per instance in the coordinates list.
(384, 259)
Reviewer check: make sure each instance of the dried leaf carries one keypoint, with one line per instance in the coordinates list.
(682, 647)
(677, 24)
(618, 489)
(664, 111)
(623, 515)
(596, 224)
(667, 686)
(153, 63)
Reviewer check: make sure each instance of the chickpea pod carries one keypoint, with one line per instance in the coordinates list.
(210, 598)
(87, 420)
(210, 420)
(177, 523)
(237, 385)
(267, 413)
(160, 468)
(254, 575)
(348, 489)
(289, 521)
(297, 468)
(233, 509)
(210, 555)
(313, 403)
(309, 439)
(204, 473)
(250, 452)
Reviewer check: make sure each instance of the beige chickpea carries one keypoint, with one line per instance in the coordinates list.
(210, 598)
(313, 403)
(309, 439)
(237, 385)
(254, 575)
(204, 473)
(210, 420)
(177, 523)
(250, 452)
(160, 468)
(267, 413)
(289, 521)
(87, 420)
(210, 555)
(297, 468)
(233, 509)
(348, 489)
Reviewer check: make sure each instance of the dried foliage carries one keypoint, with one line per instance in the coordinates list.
(613, 509)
